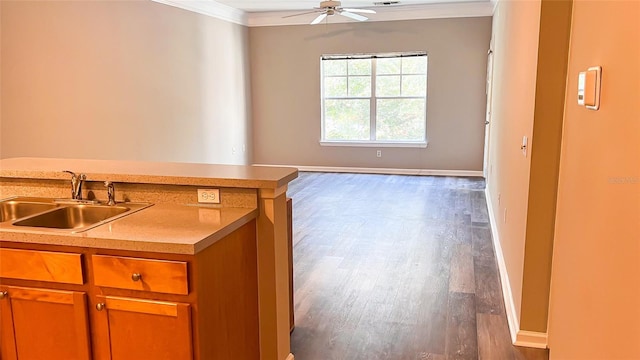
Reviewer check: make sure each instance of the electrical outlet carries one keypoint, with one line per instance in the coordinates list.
(378, 153)
(209, 196)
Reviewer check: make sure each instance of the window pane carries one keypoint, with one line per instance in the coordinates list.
(360, 67)
(346, 119)
(388, 66)
(414, 85)
(334, 67)
(335, 86)
(414, 65)
(359, 86)
(387, 86)
(400, 119)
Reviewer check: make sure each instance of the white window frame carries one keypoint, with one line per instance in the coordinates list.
(373, 103)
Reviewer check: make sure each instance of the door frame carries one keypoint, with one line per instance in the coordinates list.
(487, 119)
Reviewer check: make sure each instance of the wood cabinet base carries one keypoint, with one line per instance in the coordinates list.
(43, 324)
(151, 306)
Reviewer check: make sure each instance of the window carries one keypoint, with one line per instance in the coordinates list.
(374, 99)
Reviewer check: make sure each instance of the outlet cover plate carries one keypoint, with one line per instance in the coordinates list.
(209, 196)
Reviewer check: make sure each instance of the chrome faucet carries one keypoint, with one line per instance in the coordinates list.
(76, 184)
(111, 193)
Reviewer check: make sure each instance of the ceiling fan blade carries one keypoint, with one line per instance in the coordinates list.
(364, 11)
(319, 18)
(353, 16)
(304, 13)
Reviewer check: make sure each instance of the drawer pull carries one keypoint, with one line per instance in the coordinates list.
(100, 306)
(3, 294)
(136, 277)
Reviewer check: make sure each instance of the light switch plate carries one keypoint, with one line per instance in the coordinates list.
(589, 87)
(209, 196)
(593, 84)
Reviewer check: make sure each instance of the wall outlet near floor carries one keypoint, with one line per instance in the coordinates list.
(209, 196)
(378, 153)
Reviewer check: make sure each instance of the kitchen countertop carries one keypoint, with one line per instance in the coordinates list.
(162, 228)
(140, 172)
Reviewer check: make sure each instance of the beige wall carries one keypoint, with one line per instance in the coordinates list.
(595, 299)
(515, 45)
(285, 72)
(123, 80)
(530, 41)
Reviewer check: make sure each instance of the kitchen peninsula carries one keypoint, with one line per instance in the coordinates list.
(177, 279)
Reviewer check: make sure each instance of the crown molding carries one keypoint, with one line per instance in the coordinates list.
(385, 13)
(210, 8)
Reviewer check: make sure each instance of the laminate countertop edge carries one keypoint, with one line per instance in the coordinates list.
(140, 231)
(140, 172)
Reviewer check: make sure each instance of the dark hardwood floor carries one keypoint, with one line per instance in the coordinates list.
(396, 267)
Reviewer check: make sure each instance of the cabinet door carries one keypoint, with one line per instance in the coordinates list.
(40, 324)
(128, 328)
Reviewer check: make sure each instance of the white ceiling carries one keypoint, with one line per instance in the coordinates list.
(285, 5)
(275, 12)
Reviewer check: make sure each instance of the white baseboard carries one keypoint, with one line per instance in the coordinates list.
(518, 337)
(389, 171)
(510, 308)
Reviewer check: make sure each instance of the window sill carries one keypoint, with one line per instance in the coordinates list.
(421, 144)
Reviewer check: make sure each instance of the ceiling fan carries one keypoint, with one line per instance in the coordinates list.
(329, 8)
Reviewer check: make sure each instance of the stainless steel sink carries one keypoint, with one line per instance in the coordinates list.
(20, 207)
(62, 215)
(73, 216)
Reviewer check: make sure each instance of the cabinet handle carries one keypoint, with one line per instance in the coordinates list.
(3, 294)
(136, 277)
(100, 306)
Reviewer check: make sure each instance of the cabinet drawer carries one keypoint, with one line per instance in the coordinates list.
(41, 265)
(140, 274)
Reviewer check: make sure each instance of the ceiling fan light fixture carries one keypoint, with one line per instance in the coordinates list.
(330, 8)
(330, 4)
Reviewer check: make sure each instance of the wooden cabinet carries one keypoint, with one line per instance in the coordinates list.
(143, 329)
(160, 276)
(43, 324)
(56, 267)
(38, 322)
(85, 303)
(135, 328)
(292, 322)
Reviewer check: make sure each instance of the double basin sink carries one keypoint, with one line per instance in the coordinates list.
(66, 215)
